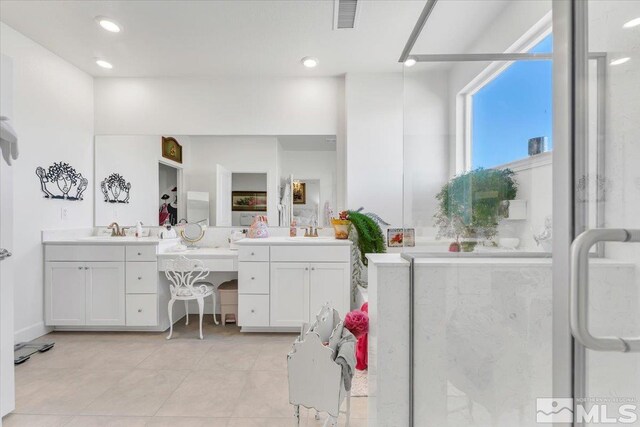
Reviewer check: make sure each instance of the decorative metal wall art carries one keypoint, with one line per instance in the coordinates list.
(115, 189)
(61, 181)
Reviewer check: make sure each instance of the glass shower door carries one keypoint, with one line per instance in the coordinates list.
(478, 159)
(607, 197)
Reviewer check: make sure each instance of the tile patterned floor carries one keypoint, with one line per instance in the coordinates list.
(131, 379)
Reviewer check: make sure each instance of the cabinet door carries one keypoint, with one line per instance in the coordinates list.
(105, 295)
(64, 293)
(329, 282)
(289, 294)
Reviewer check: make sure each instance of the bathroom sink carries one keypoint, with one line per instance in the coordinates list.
(300, 238)
(111, 238)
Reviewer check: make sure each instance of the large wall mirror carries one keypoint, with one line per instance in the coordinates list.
(218, 181)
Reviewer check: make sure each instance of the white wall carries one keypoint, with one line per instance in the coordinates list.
(373, 110)
(237, 154)
(53, 116)
(231, 106)
(426, 146)
(308, 165)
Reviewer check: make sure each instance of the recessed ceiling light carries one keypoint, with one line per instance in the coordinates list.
(104, 64)
(632, 23)
(310, 61)
(108, 24)
(410, 62)
(619, 61)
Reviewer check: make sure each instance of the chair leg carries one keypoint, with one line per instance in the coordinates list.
(170, 310)
(213, 295)
(186, 310)
(201, 310)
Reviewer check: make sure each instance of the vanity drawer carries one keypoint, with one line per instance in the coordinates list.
(142, 277)
(253, 253)
(141, 253)
(311, 253)
(142, 310)
(253, 278)
(83, 253)
(253, 310)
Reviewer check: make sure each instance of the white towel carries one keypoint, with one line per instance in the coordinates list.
(8, 141)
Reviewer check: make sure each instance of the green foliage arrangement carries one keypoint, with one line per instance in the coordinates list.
(471, 204)
(370, 236)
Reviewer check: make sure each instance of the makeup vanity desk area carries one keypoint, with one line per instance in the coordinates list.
(115, 283)
(118, 283)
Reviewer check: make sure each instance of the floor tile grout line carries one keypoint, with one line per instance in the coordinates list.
(171, 394)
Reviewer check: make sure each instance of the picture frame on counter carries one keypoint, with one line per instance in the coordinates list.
(401, 237)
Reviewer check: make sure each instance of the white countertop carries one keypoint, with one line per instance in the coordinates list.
(395, 260)
(108, 240)
(204, 253)
(294, 241)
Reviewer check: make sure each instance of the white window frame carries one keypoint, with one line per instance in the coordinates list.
(464, 98)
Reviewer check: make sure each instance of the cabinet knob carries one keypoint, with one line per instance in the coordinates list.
(313, 268)
(252, 310)
(86, 268)
(252, 253)
(139, 278)
(80, 268)
(139, 310)
(306, 269)
(253, 278)
(139, 253)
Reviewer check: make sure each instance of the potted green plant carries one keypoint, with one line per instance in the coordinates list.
(471, 206)
(369, 239)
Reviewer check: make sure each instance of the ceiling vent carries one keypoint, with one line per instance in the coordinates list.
(345, 14)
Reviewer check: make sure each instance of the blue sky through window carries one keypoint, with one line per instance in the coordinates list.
(510, 109)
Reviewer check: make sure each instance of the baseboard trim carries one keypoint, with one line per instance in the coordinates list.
(31, 332)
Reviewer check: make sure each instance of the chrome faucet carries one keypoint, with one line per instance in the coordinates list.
(116, 231)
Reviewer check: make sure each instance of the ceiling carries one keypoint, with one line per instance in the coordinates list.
(308, 142)
(250, 37)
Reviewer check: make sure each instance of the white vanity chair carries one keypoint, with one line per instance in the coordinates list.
(185, 276)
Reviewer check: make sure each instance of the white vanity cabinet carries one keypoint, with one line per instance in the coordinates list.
(289, 304)
(101, 285)
(299, 290)
(105, 303)
(84, 293)
(283, 283)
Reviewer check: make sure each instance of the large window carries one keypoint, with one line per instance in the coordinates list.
(510, 109)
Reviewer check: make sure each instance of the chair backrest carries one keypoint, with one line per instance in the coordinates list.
(183, 273)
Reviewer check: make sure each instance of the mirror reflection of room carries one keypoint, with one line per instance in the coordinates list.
(248, 197)
(222, 181)
(168, 190)
(306, 202)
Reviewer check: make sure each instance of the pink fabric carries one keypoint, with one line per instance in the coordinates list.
(362, 350)
(357, 322)
(164, 214)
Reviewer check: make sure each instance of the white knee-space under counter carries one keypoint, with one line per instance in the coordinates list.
(118, 283)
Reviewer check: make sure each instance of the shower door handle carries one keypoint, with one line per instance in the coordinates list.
(579, 304)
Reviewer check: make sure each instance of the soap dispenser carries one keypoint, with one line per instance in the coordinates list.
(139, 229)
